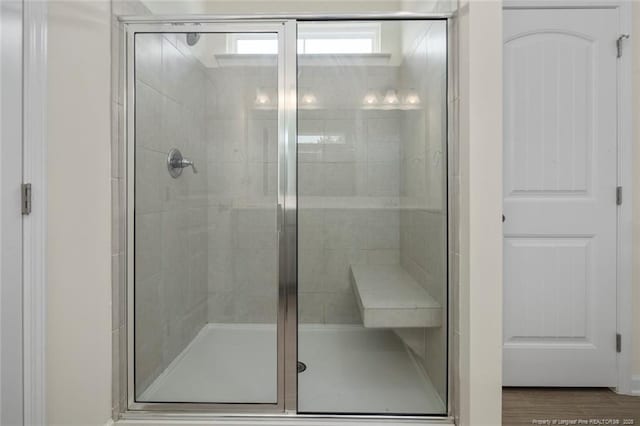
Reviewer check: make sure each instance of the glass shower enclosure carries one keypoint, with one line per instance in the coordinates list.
(287, 216)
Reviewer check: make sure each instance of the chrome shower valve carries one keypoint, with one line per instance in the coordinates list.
(176, 162)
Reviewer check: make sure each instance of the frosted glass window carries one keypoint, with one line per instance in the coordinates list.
(338, 45)
(257, 46)
(334, 38)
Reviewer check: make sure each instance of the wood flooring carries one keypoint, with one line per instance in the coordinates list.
(598, 406)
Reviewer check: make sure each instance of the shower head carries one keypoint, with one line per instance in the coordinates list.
(192, 38)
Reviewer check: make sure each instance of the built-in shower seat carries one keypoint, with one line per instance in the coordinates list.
(388, 297)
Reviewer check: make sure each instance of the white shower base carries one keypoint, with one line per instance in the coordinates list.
(350, 369)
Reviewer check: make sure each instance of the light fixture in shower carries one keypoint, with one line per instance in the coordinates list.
(391, 97)
(412, 98)
(263, 100)
(371, 99)
(309, 99)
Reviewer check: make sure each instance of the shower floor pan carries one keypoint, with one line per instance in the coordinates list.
(350, 369)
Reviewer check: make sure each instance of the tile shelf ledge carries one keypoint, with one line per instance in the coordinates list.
(388, 297)
(320, 59)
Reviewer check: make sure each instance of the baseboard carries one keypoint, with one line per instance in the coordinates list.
(635, 385)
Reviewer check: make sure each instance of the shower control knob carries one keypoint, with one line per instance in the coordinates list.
(176, 162)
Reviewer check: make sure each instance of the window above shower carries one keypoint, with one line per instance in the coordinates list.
(337, 38)
(356, 43)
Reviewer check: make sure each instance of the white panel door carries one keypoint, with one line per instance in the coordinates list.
(560, 197)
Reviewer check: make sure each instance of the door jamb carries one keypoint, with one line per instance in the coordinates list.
(624, 263)
(624, 144)
(35, 224)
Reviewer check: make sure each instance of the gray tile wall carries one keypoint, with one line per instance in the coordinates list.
(423, 218)
(242, 194)
(348, 185)
(171, 215)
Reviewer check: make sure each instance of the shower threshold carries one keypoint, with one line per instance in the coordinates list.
(350, 369)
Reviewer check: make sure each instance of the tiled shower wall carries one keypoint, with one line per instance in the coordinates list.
(348, 187)
(242, 189)
(349, 183)
(423, 218)
(171, 238)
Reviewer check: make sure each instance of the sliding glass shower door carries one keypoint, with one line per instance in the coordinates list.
(208, 114)
(287, 216)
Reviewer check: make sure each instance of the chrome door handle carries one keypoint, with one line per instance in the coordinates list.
(176, 162)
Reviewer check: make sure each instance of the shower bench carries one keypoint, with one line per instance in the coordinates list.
(388, 297)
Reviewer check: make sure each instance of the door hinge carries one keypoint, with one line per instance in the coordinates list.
(619, 41)
(618, 342)
(619, 195)
(26, 198)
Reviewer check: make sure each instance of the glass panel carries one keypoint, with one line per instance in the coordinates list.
(206, 255)
(372, 143)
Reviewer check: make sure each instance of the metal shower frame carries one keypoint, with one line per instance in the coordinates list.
(285, 26)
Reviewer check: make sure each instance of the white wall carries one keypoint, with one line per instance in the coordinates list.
(479, 178)
(78, 240)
